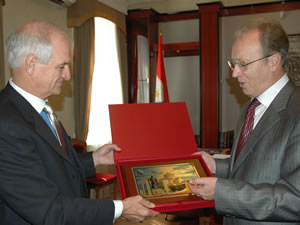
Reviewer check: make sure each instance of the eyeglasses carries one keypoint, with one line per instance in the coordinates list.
(242, 65)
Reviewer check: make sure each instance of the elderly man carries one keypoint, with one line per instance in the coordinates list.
(42, 177)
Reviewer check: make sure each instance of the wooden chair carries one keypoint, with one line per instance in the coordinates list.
(102, 179)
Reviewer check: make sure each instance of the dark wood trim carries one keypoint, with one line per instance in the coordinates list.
(178, 16)
(260, 8)
(209, 32)
(140, 14)
(209, 8)
(180, 49)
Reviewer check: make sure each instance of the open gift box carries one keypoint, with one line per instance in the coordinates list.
(157, 160)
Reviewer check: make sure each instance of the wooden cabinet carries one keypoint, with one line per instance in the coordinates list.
(141, 22)
(145, 22)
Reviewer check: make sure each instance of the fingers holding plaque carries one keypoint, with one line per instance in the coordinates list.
(162, 182)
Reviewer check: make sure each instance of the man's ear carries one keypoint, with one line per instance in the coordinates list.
(30, 64)
(275, 61)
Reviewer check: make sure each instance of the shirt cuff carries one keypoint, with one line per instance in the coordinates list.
(118, 208)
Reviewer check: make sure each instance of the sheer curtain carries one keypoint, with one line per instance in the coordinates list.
(122, 56)
(77, 16)
(143, 70)
(84, 36)
(106, 83)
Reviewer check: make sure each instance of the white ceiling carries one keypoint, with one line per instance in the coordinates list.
(173, 6)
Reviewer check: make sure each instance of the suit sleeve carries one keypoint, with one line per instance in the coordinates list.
(222, 166)
(87, 161)
(266, 200)
(86, 158)
(29, 192)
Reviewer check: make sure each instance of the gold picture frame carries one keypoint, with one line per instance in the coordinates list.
(162, 182)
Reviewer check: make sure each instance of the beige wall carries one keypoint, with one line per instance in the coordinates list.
(18, 12)
(182, 73)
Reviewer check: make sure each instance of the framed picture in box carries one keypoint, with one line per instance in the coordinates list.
(162, 182)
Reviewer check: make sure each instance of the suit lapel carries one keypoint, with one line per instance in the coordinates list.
(34, 120)
(43, 130)
(269, 119)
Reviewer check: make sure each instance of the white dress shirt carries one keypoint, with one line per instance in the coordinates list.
(267, 97)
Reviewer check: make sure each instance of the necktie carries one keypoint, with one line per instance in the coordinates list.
(247, 126)
(55, 126)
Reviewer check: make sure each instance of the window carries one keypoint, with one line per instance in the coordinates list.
(106, 83)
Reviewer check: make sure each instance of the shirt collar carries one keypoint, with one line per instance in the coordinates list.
(36, 102)
(268, 96)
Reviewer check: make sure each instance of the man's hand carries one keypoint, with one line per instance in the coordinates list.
(204, 187)
(104, 155)
(137, 209)
(209, 160)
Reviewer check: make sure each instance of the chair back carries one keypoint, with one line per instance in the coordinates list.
(79, 145)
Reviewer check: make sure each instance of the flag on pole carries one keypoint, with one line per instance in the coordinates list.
(161, 90)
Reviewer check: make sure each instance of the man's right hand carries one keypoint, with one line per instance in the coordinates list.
(137, 209)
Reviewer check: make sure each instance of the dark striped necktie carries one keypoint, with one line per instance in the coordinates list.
(247, 126)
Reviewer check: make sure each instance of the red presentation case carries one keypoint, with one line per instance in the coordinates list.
(154, 132)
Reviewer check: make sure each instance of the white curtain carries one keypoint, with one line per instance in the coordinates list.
(143, 70)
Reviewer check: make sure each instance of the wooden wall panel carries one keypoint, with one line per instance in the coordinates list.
(209, 54)
(143, 22)
(262, 8)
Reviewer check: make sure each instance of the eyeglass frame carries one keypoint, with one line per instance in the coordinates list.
(232, 65)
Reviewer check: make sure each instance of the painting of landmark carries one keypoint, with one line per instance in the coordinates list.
(164, 180)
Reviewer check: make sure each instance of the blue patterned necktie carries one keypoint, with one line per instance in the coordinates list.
(45, 116)
(54, 125)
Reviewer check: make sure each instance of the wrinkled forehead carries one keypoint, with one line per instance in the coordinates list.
(61, 49)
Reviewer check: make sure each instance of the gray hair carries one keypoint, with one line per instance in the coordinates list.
(33, 38)
(273, 37)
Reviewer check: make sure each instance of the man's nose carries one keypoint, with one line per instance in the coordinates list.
(236, 71)
(67, 73)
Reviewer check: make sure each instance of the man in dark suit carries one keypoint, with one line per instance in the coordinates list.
(43, 181)
(260, 184)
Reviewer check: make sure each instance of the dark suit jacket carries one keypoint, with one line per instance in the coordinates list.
(264, 183)
(40, 183)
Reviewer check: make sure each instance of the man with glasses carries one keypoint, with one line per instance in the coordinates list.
(259, 184)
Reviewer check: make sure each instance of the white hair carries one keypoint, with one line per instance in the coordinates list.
(33, 38)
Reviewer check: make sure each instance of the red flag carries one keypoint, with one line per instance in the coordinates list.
(161, 90)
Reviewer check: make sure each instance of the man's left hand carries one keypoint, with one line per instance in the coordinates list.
(104, 155)
(204, 187)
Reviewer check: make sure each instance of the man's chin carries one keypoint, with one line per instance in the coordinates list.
(246, 91)
(57, 92)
